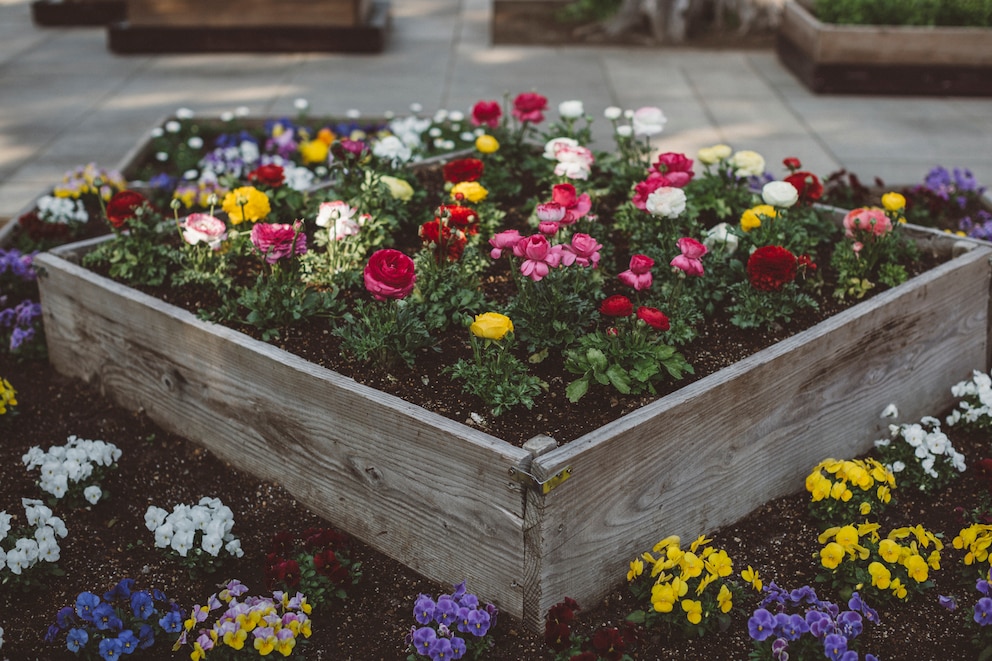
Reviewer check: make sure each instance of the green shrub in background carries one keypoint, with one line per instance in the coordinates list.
(973, 13)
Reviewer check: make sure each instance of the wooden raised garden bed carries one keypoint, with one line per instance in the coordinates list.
(524, 529)
(52, 13)
(193, 26)
(886, 59)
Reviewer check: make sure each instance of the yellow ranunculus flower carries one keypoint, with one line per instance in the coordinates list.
(487, 144)
(246, 203)
(491, 326)
(472, 191)
(714, 154)
(831, 555)
(314, 151)
(751, 219)
(881, 578)
(893, 202)
(400, 189)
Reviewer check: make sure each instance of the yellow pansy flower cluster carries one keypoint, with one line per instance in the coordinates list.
(89, 180)
(901, 560)
(686, 587)
(8, 396)
(848, 489)
(975, 540)
(269, 625)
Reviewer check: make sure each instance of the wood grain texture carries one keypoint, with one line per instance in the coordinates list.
(248, 13)
(427, 491)
(712, 452)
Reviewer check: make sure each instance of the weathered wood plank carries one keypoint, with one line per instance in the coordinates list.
(713, 451)
(247, 13)
(408, 482)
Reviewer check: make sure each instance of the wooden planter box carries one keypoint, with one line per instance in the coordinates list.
(884, 59)
(455, 503)
(255, 26)
(49, 13)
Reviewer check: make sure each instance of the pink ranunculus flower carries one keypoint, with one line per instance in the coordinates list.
(548, 228)
(340, 217)
(389, 274)
(539, 256)
(574, 162)
(550, 212)
(576, 206)
(690, 261)
(638, 275)
(203, 227)
(585, 248)
(502, 241)
(868, 219)
(671, 162)
(648, 121)
(279, 240)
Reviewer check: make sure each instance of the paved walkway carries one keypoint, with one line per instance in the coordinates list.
(66, 100)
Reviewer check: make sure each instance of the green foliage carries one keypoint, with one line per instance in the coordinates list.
(384, 333)
(587, 11)
(974, 13)
(497, 376)
(448, 293)
(140, 255)
(278, 299)
(752, 308)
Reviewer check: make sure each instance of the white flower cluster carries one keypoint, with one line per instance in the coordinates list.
(62, 210)
(43, 546)
(929, 448)
(73, 465)
(209, 519)
(976, 404)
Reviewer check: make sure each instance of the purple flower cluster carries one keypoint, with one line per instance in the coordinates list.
(783, 619)
(17, 277)
(121, 622)
(960, 188)
(20, 321)
(17, 264)
(983, 609)
(441, 618)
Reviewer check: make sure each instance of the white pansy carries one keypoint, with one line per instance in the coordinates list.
(242, 111)
(227, 116)
(156, 132)
(4, 525)
(212, 544)
(154, 517)
(93, 494)
(234, 548)
(890, 411)
(163, 535)
(182, 542)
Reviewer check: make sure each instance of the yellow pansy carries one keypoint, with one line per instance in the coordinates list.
(865, 508)
(897, 588)
(663, 597)
(693, 610)
(235, 639)
(285, 646)
(487, 144)
(636, 569)
(889, 550)
(699, 541)
(671, 540)
(265, 644)
(751, 576)
(725, 599)
(692, 566)
(847, 537)
(934, 560)
(831, 555)
(720, 563)
(917, 568)
(881, 577)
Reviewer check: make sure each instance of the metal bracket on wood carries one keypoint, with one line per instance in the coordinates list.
(546, 486)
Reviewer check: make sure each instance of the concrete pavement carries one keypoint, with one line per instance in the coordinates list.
(65, 100)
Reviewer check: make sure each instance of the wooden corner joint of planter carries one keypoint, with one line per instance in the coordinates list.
(520, 474)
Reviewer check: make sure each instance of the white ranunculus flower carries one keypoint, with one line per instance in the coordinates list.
(648, 121)
(613, 113)
(625, 131)
(720, 238)
(748, 163)
(780, 194)
(571, 109)
(666, 202)
(456, 115)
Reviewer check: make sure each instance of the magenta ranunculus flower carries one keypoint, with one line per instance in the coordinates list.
(389, 274)
(530, 107)
(690, 261)
(539, 256)
(487, 113)
(576, 206)
(585, 248)
(279, 240)
(673, 163)
(502, 241)
(638, 275)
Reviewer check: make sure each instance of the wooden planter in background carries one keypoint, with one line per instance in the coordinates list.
(886, 59)
(48, 13)
(527, 526)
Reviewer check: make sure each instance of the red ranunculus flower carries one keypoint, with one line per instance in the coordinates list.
(792, 163)
(447, 241)
(653, 317)
(464, 218)
(771, 267)
(530, 107)
(487, 113)
(122, 206)
(616, 306)
(807, 185)
(268, 175)
(463, 169)
(389, 274)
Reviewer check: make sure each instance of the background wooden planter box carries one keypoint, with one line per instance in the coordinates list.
(248, 13)
(884, 59)
(455, 503)
(48, 13)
